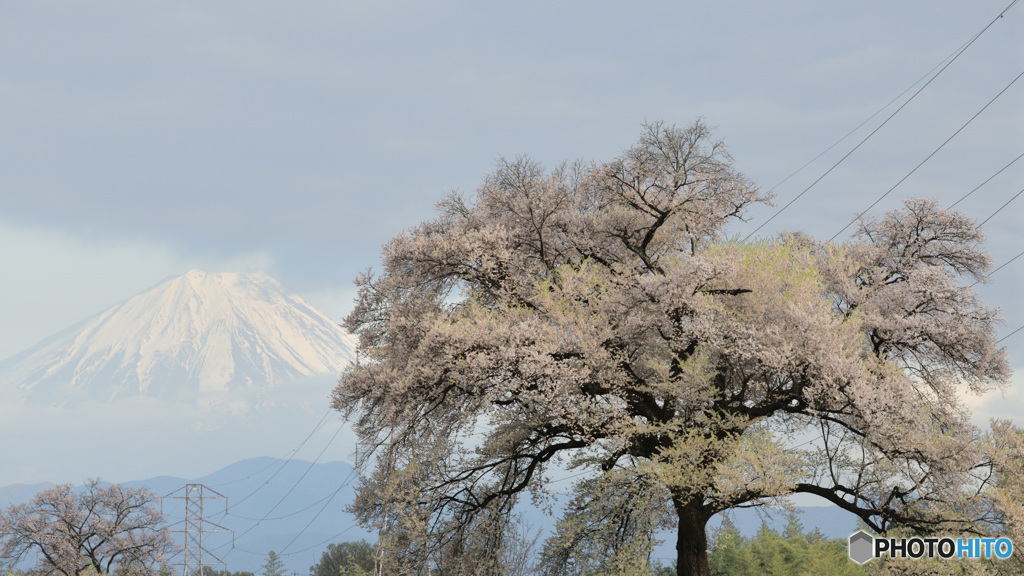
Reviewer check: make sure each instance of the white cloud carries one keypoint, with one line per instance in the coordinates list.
(1004, 404)
(132, 438)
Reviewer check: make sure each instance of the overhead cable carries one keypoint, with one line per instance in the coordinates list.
(1010, 334)
(344, 483)
(956, 55)
(964, 197)
(284, 463)
(934, 152)
(322, 542)
(295, 485)
(289, 455)
(1001, 266)
(1004, 264)
(1001, 208)
(853, 131)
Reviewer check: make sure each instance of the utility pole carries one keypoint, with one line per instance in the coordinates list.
(194, 556)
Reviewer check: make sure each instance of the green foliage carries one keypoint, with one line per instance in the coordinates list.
(225, 572)
(346, 559)
(657, 569)
(274, 566)
(769, 553)
(608, 528)
(731, 552)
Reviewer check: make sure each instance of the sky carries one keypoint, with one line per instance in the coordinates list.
(139, 140)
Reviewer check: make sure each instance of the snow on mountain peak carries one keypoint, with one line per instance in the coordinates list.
(209, 338)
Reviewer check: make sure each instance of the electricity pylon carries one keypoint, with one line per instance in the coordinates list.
(194, 556)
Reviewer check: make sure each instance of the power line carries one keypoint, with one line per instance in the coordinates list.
(956, 55)
(295, 485)
(306, 549)
(934, 152)
(1003, 265)
(1001, 208)
(852, 132)
(287, 456)
(1010, 334)
(322, 542)
(290, 456)
(244, 551)
(964, 197)
(194, 527)
(328, 499)
(283, 464)
(283, 516)
(324, 507)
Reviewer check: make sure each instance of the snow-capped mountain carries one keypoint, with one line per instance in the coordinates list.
(216, 340)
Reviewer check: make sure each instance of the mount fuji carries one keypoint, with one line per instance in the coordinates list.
(223, 342)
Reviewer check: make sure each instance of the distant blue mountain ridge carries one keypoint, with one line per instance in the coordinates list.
(296, 508)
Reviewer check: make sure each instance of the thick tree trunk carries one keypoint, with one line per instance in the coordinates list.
(692, 540)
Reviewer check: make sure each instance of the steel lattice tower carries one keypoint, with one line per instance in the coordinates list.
(194, 556)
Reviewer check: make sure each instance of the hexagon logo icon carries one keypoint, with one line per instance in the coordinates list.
(862, 547)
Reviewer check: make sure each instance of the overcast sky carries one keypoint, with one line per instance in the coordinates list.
(141, 139)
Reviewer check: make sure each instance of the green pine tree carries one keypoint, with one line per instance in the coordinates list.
(274, 566)
(796, 546)
(769, 551)
(730, 554)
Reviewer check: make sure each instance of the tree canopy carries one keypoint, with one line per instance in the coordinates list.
(599, 316)
(346, 559)
(96, 529)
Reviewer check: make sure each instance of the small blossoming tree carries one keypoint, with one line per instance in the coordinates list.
(91, 530)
